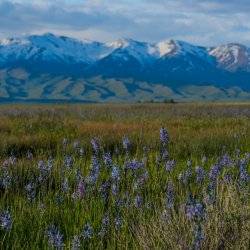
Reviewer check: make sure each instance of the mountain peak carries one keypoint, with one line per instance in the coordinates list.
(232, 56)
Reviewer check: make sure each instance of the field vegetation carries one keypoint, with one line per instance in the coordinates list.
(110, 176)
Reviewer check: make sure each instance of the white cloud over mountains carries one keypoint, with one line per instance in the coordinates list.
(205, 22)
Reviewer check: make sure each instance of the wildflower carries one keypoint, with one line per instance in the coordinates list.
(80, 191)
(87, 232)
(104, 227)
(225, 161)
(94, 171)
(95, 145)
(243, 175)
(169, 166)
(59, 199)
(105, 189)
(6, 179)
(200, 174)
(65, 185)
(198, 237)
(76, 243)
(107, 159)
(30, 191)
(55, 237)
(134, 165)
(115, 174)
(138, 201)
(126, 144)
(68, 162)
(170, 195)
(195, 210)
(214, 172)
(5, 220)
(164, 136)
(227, 178)
(114, 189)
(164, 155)
(118, 223)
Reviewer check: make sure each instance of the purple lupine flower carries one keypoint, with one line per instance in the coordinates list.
(65, 185)
(68, 162)
(107, 159)
(170, 195)
(95, 145)
(76, 243)
(80, 190)
(169, 166)
(195, 210)
(94, 171)
(118, 223)
(134, 165)
(184, 177)
(115, 174)
(142, 179)
(30, 191)
(87, 232)
(78, 175)
(164, 155)
(225, 161)
(200, 174)
(55, 237)
(6, 179)
(164, 136)
(243, 176)
(227, 178)
(114, 189)
(126, 143)
(214, 172)
(138, 201)
(198, 237)
(104, 226)
(105, 189)
(211, 193)
(5, 220)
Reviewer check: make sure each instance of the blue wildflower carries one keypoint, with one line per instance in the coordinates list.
(87, 232)
(55, 237)
(5, 220)
(164, 136)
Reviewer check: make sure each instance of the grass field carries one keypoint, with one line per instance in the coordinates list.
(109, 177)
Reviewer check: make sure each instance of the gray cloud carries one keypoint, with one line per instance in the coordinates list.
(206, 22)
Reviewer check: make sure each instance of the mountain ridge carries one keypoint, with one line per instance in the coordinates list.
(47, 67)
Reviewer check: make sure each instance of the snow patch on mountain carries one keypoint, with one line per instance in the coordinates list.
(232, 57)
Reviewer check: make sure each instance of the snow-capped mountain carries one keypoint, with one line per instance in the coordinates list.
(232, 57)
(48, 62)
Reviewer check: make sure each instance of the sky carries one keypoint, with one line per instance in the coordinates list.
(201, 22)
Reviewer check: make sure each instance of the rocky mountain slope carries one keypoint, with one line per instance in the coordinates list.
(51, 68)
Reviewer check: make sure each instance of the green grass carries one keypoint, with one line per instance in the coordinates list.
(196, 130)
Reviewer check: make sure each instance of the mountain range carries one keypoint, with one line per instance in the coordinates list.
(48, 68)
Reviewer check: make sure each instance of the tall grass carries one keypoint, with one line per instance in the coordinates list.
(128, 209)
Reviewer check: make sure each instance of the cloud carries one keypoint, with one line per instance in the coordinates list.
(205, 22)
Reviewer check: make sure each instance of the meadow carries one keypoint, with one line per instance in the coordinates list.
(125, 176)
